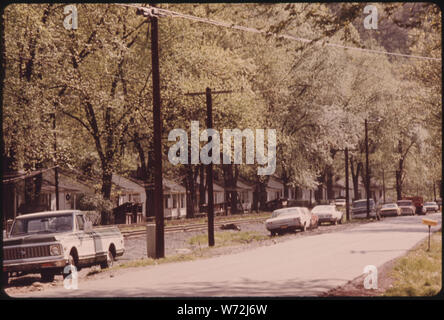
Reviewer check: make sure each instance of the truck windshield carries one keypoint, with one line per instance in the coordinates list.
(52, 224)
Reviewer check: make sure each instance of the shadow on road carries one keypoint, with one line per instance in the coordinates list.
(244, 288)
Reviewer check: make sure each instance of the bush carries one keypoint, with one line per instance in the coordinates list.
(96, 203)
(93, 216)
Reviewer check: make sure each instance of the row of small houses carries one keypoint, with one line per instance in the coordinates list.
(71, 188)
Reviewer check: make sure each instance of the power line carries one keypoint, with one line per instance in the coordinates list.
(158, 12)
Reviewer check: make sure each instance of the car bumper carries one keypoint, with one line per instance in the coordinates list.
(120, 252)
(363, 214)
(35, 264)
(326, 219)
(389, 213)
(284, 227)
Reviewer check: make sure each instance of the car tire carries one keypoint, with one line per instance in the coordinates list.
(109, 260)
(47, 276)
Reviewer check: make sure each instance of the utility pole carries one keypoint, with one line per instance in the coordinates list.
(210, 173)
(434, 191)
(383, 184)
(208, 94)
(157, 124)
(367, 176)
(347, 191)
(157, 134)
(56, 169)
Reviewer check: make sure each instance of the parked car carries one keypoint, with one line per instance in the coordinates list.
(340, 202)
(418, 203)
(328, 213)
(407, 207)
(276, 204)
(314, 220)
(47, 242)
(431, 206)
(359, 208)
(288, 219)
(390, 209)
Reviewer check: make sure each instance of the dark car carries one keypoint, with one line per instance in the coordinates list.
(276, 204)
(359, 208)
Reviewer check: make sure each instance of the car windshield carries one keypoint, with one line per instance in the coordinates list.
(389, 205)
(404, 203)
(52, 224)
(361, 204)
(318, 209)
(282, 213)
(430, 204)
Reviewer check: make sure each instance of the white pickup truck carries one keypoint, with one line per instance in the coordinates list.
(47, 242)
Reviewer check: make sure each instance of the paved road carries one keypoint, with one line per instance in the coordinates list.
(305, 266)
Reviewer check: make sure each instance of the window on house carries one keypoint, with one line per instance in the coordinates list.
(167, 201)
(174, 201)
(182, 201)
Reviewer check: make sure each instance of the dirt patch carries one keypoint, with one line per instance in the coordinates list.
(355, 287)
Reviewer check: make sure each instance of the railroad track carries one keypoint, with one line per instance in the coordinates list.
(191, 227)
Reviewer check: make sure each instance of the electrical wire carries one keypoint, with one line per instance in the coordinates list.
(158, 12)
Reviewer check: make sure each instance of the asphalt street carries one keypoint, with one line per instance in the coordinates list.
(305, 266)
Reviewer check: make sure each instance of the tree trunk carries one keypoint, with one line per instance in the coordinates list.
(285, 181)
(355, 177)
(329, 183)
(106, 185)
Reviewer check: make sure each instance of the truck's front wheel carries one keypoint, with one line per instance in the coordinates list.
(109, 260)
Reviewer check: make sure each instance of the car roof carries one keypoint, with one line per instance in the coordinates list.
(46, 214)
(362, 200)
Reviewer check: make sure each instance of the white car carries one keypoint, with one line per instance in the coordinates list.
(328, 213)
(390, 209)
(430, 206)
(288, 219)
(47, 242)
(340, 202)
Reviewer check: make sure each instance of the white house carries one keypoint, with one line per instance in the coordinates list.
(274, 188)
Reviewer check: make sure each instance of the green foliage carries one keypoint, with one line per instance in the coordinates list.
(95, 202)
(97, 82)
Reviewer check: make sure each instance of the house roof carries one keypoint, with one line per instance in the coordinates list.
(274, 183)
(169, 186)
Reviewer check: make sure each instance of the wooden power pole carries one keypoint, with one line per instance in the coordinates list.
(208, 94)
